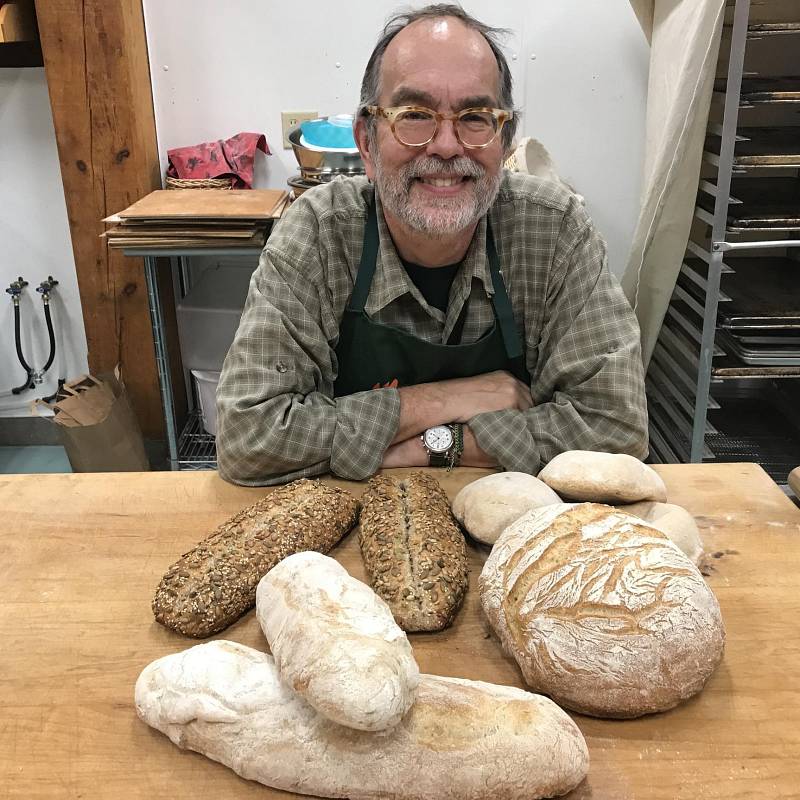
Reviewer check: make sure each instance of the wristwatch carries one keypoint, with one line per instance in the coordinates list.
(445, 444)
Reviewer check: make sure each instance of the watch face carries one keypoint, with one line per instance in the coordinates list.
(438, 439)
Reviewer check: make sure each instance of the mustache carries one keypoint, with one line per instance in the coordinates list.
(453, 167)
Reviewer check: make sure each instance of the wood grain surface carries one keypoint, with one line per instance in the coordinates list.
(82, 555)
(98, 78)
(181, 203)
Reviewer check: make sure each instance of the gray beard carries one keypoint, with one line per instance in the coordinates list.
(439, 216)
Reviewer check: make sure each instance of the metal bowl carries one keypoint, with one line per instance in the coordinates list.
(326, 163)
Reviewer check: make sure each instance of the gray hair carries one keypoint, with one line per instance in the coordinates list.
(371, 83)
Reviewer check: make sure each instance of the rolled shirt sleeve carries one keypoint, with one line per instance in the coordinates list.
(277, 417)
(587, 378)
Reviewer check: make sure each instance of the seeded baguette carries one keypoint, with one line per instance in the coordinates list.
(413, 550)
(213, 584)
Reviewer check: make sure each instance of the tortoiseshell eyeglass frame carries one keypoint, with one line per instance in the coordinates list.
(392, 113)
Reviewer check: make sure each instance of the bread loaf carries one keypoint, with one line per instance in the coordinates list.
(588, 476)
(601, 612)
(673, 520)
(489, 505)
(462, 740)
(336, 643)
(413, 550)
(213, 584)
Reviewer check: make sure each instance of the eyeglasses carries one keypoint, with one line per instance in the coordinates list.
(415, 126)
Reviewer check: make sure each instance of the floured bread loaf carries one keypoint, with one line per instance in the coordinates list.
(487, 506)
(673, 520)
(588, 476)
(212, 585)
(413, 550)
(462, 740)
(601, 612)
(336, 643)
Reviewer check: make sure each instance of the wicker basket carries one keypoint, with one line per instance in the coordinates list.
(199, 183)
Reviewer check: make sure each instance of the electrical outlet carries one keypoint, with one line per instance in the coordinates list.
(291, 119)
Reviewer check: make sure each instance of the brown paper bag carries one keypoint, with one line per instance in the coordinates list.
(98, 428)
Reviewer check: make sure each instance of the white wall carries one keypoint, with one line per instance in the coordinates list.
(34, 241)
(234, 66)
(218, 69)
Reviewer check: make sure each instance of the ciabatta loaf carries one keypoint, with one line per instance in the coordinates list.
(462, 740)
(336, 643)
(213, 584)
(601, 611)
(413, 550)
(585, 475)
(488, 505)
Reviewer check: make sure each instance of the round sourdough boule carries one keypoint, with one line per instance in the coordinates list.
(488, 505)
(336, 643)
(588, 476)
(602, 612)
(673, 520)
(461, 740)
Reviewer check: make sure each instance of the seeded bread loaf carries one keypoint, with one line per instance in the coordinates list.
(461, 740)
(413, 550)
(213, 584)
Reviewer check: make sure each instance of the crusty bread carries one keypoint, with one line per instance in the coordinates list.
(601, 612)
(413, 550)
(336, 643)
(673, 520)
(213, 584)
(462, 740)
(488, 505)
(588, 476)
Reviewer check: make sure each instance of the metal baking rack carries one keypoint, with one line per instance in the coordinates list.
(724, 380)
(189, 448)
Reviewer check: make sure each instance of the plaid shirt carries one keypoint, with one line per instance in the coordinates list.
(276, 415)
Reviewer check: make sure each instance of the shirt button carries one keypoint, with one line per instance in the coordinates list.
(281, 367)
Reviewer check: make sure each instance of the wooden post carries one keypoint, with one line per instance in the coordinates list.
(98, 77)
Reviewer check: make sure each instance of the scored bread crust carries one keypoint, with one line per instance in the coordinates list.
(413, 550)
(601, 611)
(213, 584)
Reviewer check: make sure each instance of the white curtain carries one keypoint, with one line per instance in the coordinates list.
(684, 36)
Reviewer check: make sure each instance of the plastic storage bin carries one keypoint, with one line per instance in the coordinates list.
(206, 383)
(209, 315)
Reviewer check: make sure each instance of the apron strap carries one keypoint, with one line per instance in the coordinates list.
(369, 257)
(502, 305)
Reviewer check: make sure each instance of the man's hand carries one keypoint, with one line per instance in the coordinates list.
(458, 400)
(494, 391)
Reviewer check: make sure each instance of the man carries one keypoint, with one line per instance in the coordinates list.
(443, 312)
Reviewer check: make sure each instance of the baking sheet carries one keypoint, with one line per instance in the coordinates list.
(764, 293)
(767, 204)
(766, 355)
(765, 147)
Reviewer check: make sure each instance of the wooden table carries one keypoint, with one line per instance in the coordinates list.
(82, 555)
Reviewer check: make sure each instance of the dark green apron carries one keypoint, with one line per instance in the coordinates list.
(371, 355)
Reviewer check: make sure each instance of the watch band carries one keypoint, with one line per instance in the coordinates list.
(457, 448)
(439, 459)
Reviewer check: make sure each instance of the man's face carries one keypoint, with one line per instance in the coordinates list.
(440, 188)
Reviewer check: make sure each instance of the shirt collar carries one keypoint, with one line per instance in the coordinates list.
(391, 280)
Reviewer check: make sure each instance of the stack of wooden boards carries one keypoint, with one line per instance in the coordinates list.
(194, 218)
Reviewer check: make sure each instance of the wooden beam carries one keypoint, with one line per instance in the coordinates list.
(98, 77)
